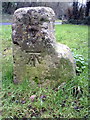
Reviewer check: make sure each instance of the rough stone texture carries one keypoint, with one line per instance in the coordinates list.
(36, 54)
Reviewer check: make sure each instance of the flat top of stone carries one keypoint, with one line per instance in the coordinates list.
(26, 9)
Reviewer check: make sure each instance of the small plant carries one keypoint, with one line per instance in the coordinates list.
(80, 64)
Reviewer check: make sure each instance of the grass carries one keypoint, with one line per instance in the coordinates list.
(58, 20)
(70, 100)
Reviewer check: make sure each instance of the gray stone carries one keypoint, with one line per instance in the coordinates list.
(36, 54)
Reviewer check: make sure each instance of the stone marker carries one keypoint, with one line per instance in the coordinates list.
(36, 54)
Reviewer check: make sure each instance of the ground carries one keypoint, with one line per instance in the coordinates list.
(68, 100)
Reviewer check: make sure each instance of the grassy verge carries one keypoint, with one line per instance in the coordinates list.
(70, 100)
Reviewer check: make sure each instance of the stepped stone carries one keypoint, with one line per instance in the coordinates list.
(36, 54)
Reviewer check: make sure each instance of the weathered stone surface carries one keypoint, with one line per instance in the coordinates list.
(36, 54)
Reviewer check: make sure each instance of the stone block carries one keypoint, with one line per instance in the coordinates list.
(36, 54)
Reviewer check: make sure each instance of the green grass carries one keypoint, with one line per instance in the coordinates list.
(58, 20)
(70, 100)
(74, 36)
